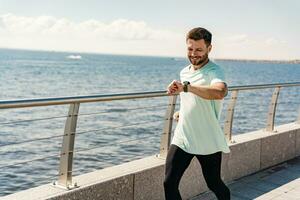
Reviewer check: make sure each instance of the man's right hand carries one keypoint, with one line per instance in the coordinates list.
(173, 87)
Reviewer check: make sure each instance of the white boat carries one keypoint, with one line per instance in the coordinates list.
(74, 57)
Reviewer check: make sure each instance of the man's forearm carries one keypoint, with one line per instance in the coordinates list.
(207, 92)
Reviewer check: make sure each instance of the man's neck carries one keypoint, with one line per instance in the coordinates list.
(196, 67)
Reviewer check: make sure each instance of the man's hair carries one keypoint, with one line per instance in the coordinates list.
(198, 34)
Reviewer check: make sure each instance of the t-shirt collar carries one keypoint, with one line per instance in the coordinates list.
(200, 69)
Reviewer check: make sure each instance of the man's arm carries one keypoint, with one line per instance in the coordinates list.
(211, 92)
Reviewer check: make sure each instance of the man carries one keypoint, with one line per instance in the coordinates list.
(198, 132)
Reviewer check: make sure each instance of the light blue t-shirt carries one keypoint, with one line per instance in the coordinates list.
(198, 130)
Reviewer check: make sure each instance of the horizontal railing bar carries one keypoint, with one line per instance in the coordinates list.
(28, 161)
(31, 120)
(263, 86)
(32, 140)
(116, 142)
(110, 97)
(48, 178)
(126, 160)
(95, 130)
(129, 109)
(116, 127)
(77, 99)
(81, 170)
(84, 114)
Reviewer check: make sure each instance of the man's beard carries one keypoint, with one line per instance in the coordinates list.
(200, 61)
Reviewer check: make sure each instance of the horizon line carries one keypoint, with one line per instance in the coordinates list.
(141, 55)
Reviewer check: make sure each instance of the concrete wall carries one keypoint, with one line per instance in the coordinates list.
(143, 179)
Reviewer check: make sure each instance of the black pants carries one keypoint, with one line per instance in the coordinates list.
(178, 161)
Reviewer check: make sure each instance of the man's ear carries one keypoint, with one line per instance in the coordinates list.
(209, 48)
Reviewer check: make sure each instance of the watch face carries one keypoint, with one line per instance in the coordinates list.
(185, 86)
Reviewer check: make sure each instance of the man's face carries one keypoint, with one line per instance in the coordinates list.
(197, 51)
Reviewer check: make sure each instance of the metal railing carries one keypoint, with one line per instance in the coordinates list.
(272, 106)
(67, 149)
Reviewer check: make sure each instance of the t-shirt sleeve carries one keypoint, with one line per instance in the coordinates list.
(217, 75)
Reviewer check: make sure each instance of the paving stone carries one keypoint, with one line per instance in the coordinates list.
(281, 182)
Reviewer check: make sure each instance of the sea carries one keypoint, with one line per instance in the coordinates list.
(112, 132)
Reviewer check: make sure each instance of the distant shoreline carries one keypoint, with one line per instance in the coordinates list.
(294, 61)
(260, 61)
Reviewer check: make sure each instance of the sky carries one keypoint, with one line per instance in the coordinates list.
(241, 29)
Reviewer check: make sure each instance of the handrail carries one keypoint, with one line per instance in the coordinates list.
(110, 97)
(263, 86)
(67, 150)
(77, 99)
(83, 114)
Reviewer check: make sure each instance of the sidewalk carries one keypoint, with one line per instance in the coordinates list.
(281, 182)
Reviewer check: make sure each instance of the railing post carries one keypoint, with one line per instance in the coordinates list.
(298, 120)
(229, 116)
(272, 110)
(166, 135)
(66, 156)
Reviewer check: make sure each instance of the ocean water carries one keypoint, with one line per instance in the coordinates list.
(114, 132)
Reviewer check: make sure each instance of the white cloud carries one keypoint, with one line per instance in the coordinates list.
(121, 36)
(248, 46)
(47, 25)
(273, 41)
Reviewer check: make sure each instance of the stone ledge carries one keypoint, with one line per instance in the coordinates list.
(142, 179)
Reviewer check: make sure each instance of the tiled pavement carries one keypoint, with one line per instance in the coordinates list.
(281, 182)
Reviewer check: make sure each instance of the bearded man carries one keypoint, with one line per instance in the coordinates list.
(198, 132)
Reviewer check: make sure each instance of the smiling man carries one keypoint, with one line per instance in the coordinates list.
(198, 132)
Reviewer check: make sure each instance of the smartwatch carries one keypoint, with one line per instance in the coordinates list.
(185, 86)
